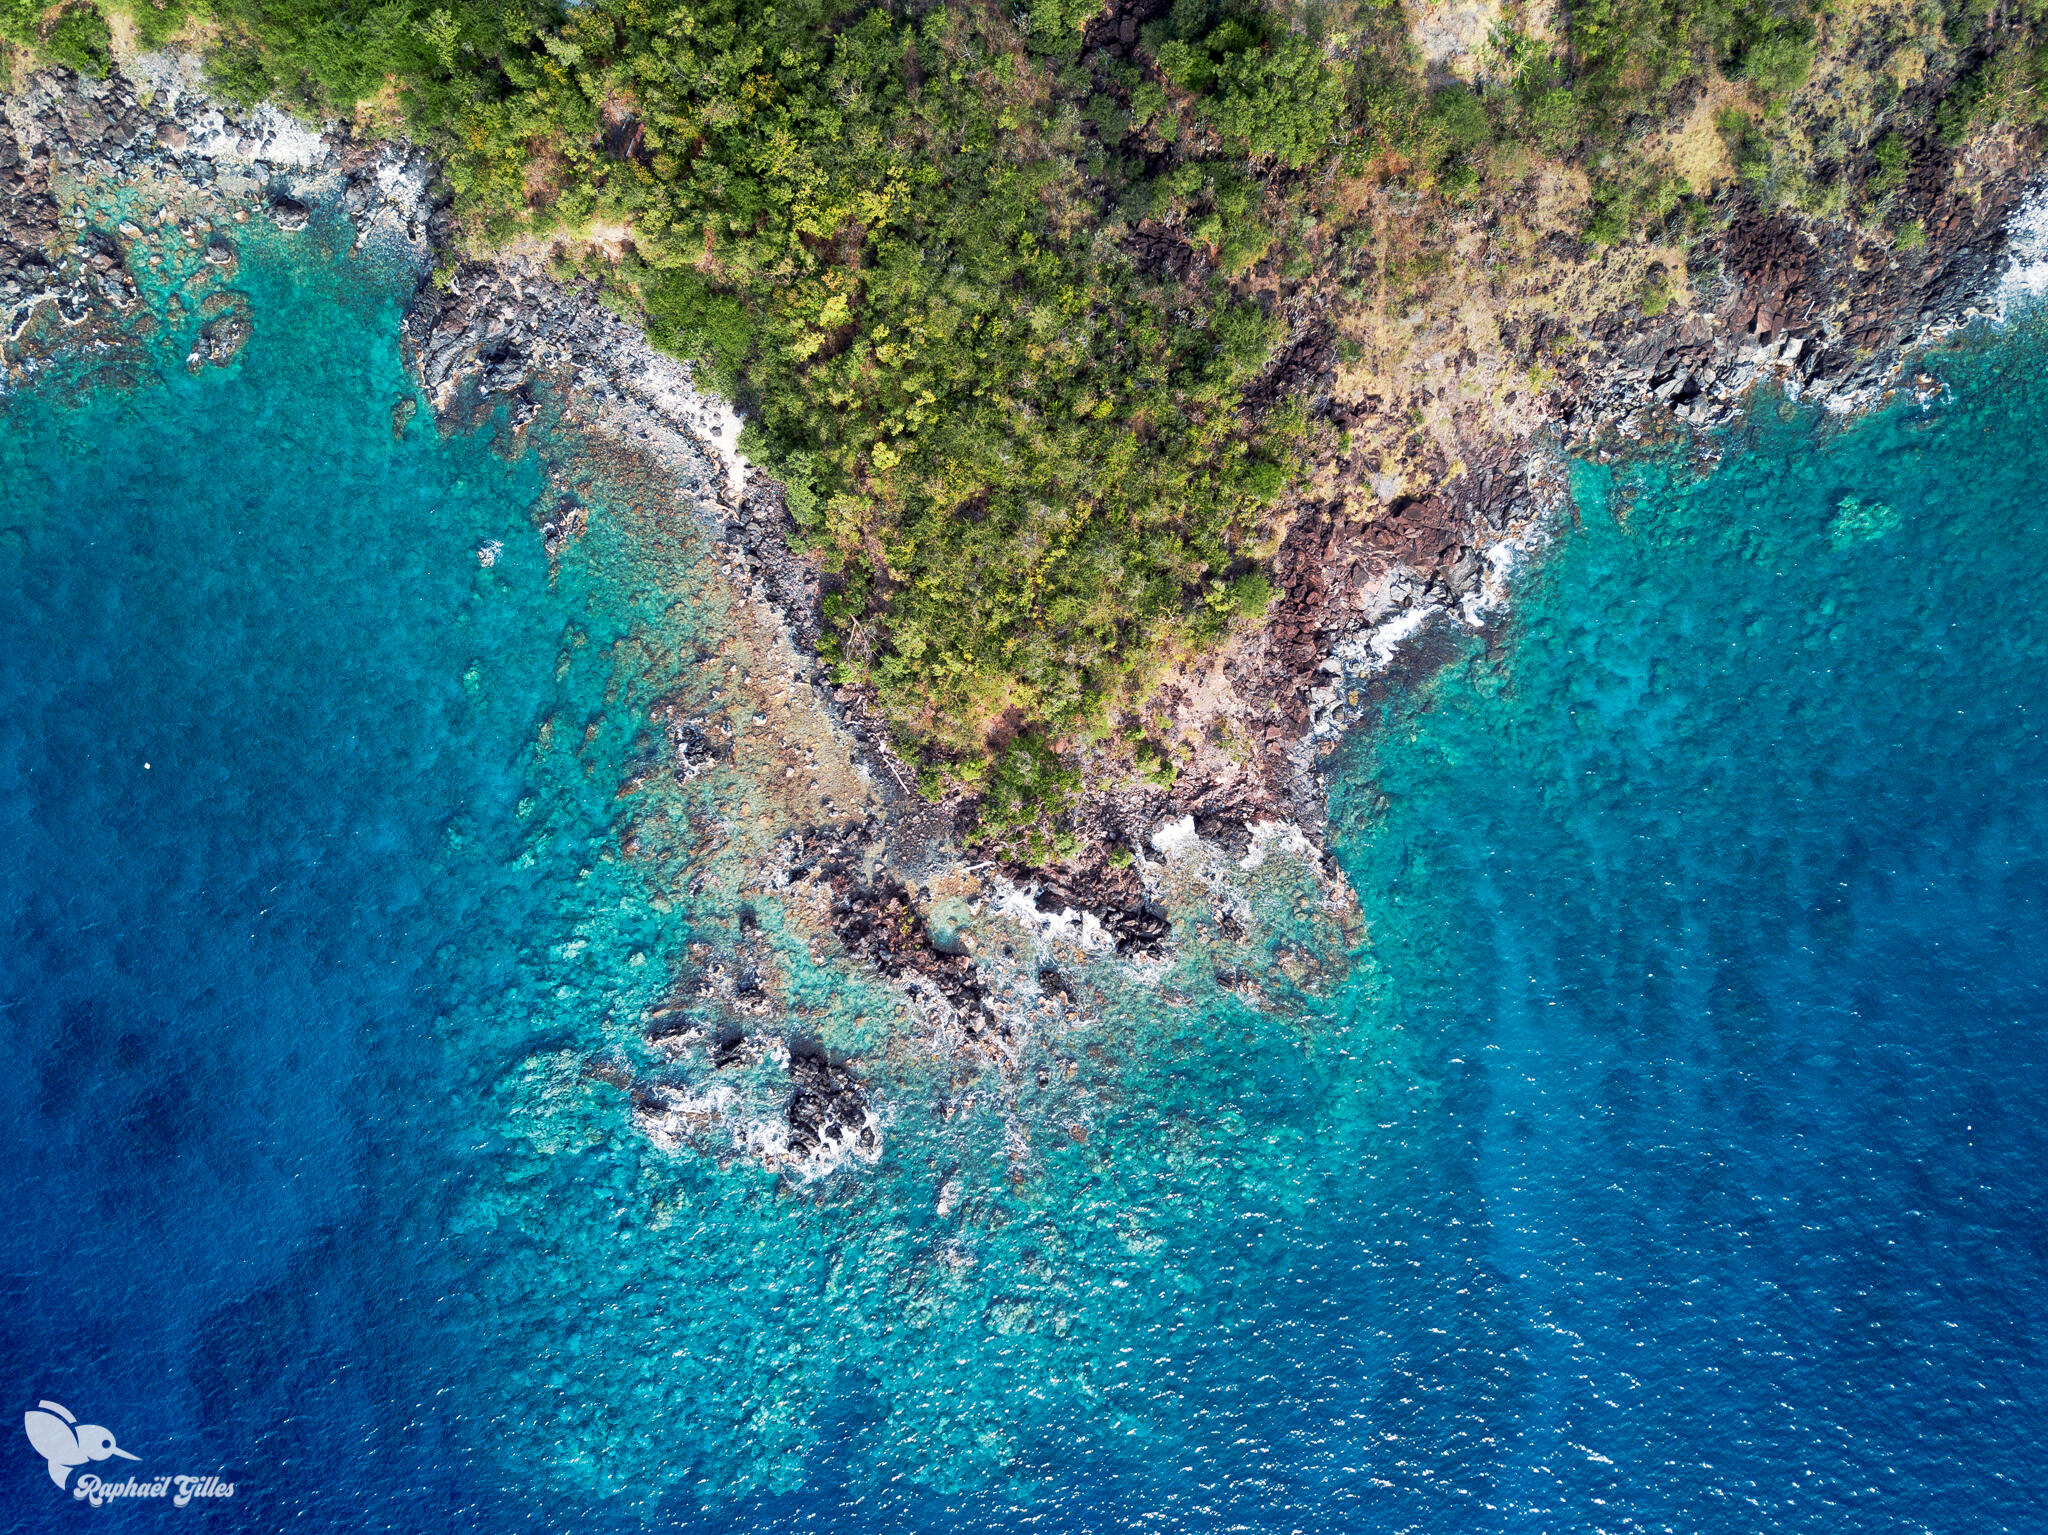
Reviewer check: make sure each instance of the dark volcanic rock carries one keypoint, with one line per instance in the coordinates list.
(878, 920)
(828, 1111)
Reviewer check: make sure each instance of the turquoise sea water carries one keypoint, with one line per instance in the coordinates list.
(1670, 1161)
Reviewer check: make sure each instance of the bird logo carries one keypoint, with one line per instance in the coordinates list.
(66, 1443)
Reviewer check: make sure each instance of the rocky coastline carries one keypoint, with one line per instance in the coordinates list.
(69, 286)
(992, 961)
(1817, 311)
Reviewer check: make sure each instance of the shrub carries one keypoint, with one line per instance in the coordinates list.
(686, 315)
(76, 37)
(1387, 102)
(1154, 766)
(1029, 795)
(1457, 120)
(1057, 25)
(1555, 121)
(1631, 202)
(1894, 160)
(1252, 595)
(1777, 65)
(1284, 104)
(1271, 94)
(1653, 297)
(1959, 110)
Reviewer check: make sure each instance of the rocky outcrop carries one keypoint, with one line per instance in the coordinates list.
(828, 1114)
(824, 1120)
(739, 1081)
(1820, 310)
(46, 269)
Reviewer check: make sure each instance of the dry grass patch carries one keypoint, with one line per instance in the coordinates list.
(1698, 151)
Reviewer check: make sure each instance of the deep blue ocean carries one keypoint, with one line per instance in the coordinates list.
(1674, 1158)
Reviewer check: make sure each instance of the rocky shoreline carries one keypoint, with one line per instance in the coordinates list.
(1828, 318)
(994, 964)
(68, 285)
(1818, 311)
(993, 967)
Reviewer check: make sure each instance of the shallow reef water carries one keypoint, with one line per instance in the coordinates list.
(1668, 1161)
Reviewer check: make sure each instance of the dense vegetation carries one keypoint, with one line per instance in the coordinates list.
(902, 241)
(988, 282)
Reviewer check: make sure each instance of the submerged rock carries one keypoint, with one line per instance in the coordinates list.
(223, 334)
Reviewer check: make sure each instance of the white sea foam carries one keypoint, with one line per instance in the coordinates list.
(1176, 837)
(1082, 929)
(1270, 837)
(2025, 278)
